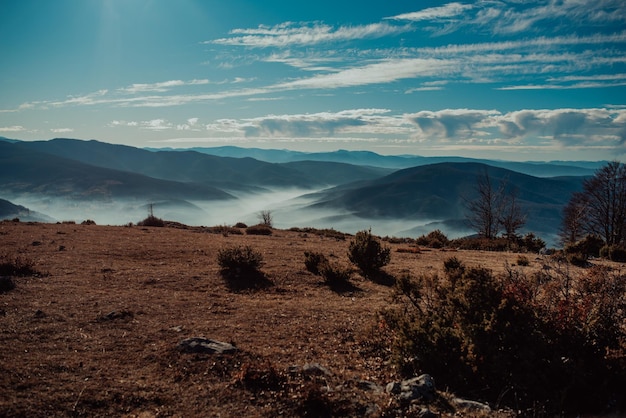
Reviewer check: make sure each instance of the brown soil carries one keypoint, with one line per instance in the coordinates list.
(96, 333)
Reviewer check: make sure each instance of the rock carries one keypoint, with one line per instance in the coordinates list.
(418, 388)
(471, 405)
(315, 369)
(426, 413)
(205, 345)
(368, 386)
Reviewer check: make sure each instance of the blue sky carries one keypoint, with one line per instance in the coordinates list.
(516, 80)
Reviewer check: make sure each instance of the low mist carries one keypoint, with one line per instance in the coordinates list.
(289, 208)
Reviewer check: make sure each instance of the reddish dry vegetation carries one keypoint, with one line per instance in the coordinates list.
(95, 332)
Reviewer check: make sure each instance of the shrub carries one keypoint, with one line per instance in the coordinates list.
(368, 254)
(17, 266)
(88, 222)
(239, 261)
(613, 253)
(326, 232)
(522, 260)
(513, 340)
(587, 247)
(314, 262)
(334, 275)
(240, 225)
(434, 239)
(259, 230)
(532, 243)
(152, 220)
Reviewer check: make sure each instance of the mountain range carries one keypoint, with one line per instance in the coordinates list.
(368, 158)
(206, 187)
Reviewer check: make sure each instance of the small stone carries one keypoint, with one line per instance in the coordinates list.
(368, 386)
(471, 405)
(315, 369)
(206, 346)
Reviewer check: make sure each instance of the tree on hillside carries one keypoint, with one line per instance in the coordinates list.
(573, 222)
(484, 211)
(512, 217)
(601, 206)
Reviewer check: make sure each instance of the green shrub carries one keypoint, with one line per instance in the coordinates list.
(368, 254)
(259, 230)
(239, 261)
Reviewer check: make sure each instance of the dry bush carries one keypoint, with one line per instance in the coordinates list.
(366, 252)
(17, 266)
(536, 343)
(326, 232)
(335, 276)
(239, 260)
(259, 230)
(152, 220)
(434, 239)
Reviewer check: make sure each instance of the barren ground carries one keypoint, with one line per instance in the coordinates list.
(96, 335)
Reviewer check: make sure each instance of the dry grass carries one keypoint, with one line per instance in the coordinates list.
(97, 335)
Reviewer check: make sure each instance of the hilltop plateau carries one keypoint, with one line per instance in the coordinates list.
(95, 329)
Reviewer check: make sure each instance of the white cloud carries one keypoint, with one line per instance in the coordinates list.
(452, 124)
(14, 128)
(446, 11)
(160, 87)
(363, 121)
(61, 130)
(289, 34)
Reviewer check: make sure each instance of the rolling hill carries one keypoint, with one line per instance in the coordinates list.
(29, 172)
(189, 166)
(439, 192)
(368, 158)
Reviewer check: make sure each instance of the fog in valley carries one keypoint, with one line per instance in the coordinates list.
(289, 208)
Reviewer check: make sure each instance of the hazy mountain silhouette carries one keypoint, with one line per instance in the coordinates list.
(191, 166)
(368, 158)
(96, 171)
(26, 171)
(9, 210)
(440, 192)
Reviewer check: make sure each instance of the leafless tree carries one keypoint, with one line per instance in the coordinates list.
(574, 222)
(266, 218)
(484, 211)
(605, 197)
(512, 217)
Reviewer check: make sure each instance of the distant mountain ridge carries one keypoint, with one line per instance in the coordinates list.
(174, 181)
(440, 192)
(368, 158)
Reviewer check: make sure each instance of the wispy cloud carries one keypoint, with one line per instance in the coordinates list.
(14, 128)
(61, 130)
(160, 87)
(293, 34)
(435, 13)
(511, 17)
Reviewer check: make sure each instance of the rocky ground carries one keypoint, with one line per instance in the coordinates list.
(98, 327)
